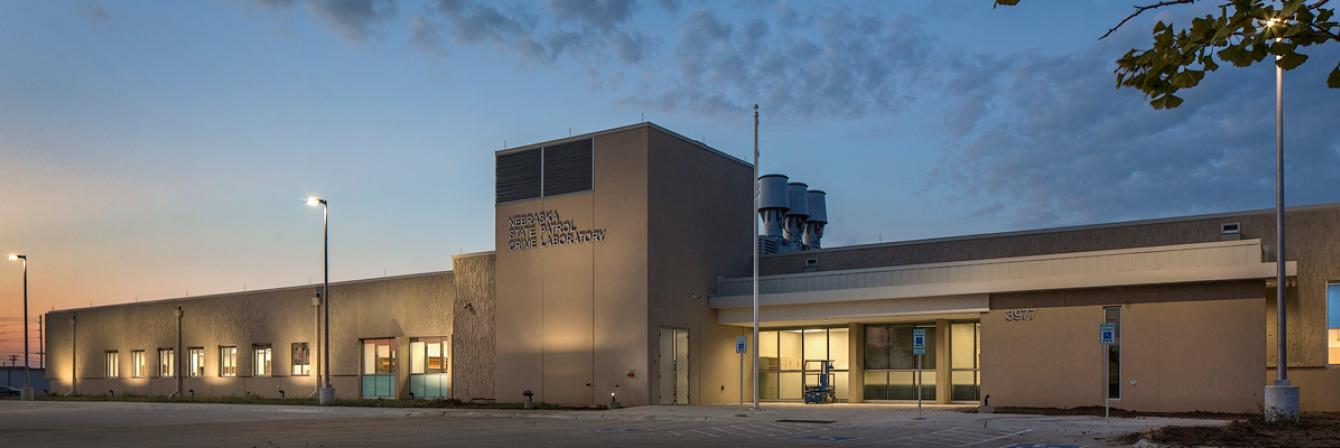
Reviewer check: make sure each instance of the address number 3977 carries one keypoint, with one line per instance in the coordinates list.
(1022, 314)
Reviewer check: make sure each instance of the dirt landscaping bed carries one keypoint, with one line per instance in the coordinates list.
(1098, 411)
(1314, 431)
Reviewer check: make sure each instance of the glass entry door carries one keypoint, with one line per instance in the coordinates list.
(379, 367)
(672, 366)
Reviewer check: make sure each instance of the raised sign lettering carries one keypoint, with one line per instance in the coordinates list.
(544, 229)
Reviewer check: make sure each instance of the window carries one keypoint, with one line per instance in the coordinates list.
(1333, 323)
(428, 355)
(891, 366)
(167, 363)
(1112, 314)
(965, 354)
(428, 367)
(379, 368)
(302, 360)
(196, 357)
(113, 365)
(260, 360)
(378, 356)
(783, 370)
(138, 366)
(228, 360)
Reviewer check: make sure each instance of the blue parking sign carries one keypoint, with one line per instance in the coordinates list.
(919, 341)
(1107, 333)
(740, 344)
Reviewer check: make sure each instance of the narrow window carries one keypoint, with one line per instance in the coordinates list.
(428, 355)
(167, 363)
(1333, 323)
(196, 357)
(1112, 314)
(113, 365)
(228, 360)
(260, 360)
(302, 363)
(138, 365)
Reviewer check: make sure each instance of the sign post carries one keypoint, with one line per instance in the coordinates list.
(740, 346)
(918, 349)
(1107, 336)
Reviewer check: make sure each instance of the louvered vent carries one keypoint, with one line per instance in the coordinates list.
(518, 176)
(567, 167)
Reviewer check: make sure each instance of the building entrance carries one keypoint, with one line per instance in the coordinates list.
(672, 371)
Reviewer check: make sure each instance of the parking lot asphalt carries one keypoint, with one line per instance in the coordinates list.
(113, 424)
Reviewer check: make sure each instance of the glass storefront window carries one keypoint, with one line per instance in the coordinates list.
(891, 365)
(782, 366)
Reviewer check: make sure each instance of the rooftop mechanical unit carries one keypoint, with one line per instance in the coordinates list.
(793, 216)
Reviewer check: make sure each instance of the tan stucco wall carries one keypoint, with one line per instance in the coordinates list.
(1320, 387)
(473, 340)
(568, 318)
(1183, 356)
(699, 207)
(410, 306)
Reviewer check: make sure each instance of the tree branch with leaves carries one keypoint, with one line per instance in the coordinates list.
(1244, 33)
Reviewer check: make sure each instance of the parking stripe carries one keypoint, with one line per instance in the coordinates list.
(997, 438)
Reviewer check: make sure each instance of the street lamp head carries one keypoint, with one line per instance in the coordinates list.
(17, 257)
(313, 201)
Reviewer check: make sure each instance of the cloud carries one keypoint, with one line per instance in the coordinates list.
(1053, 138)
(605, 15)
(427, 36)
(95, 11)
(352, 18)
(841, 64)
(1042, 139)
(275, 3)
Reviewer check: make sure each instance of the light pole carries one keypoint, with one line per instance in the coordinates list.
(327, 395)
(27, 393)
(1281, 398)
(753, 216)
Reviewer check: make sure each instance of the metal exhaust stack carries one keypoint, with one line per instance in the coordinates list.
(772, 207)
(814, 224)
(794, 231)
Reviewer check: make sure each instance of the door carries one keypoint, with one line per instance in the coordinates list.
(379, 368)
(672, 366)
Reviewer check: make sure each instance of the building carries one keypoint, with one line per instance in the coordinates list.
(622, 273)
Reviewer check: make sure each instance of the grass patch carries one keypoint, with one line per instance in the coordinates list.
(375, 403)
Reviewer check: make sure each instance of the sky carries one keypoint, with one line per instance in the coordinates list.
(152, 149)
